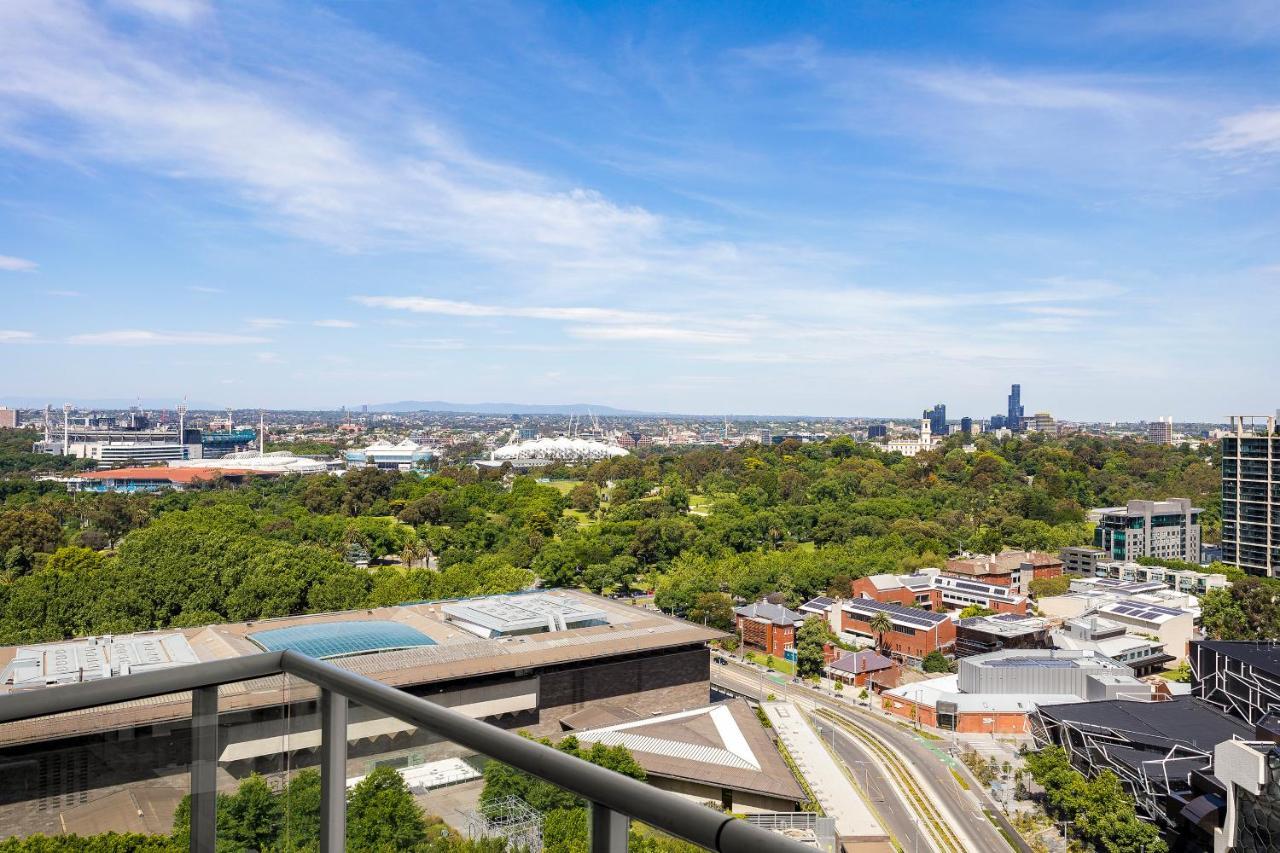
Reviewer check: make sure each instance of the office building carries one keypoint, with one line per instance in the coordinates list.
(937, 418)
(8, 418)
(997, 422)
(1251, 495)
(1112, 639)
(966, 426)
(874, 431)
(1167, 529)
(528, 661)
(1014, 414)
(1040, 422)
(1160, 431)
(1081, 560)
(997, 693)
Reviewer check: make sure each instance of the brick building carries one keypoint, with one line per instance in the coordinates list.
(930, 589)
(914, 634)
(770, 628)
(1013, 569)
(864, 669)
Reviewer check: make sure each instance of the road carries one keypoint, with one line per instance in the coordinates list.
(927, 764)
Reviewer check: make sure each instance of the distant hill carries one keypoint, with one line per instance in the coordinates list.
(498, 408)
(106, 403)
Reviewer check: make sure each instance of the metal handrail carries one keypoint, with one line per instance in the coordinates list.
(609, 793)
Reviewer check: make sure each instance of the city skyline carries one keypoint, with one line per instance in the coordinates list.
(712, 209)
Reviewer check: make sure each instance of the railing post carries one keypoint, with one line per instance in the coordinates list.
(204, 769)
(333, 772)
(609, 830)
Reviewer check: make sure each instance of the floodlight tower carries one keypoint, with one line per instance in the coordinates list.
(182, 420)
(66, 429)
(262, 433)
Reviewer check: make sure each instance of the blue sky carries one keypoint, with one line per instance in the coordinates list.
(836, 208)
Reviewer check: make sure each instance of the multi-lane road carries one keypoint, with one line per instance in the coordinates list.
(911, 785)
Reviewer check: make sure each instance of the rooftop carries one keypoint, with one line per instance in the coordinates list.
(1006, 624)
(502, 616)
(339, 639)
(774, 613)
(856, 663)
(947, 689)
(1182, 719)
(1260, 655)
(160, 474)
(452, 652)
(722, 744)
(906, 615)
(1001, 564)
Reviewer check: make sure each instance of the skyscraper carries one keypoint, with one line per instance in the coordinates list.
(966, 426)
(1250, 503)
(1014, 418)
(937, 418)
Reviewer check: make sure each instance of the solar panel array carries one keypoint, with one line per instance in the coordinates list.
(979, 588)
(906, 615)
(1011, 617)
(1043, 663)
(1142, 610)
(338, 639)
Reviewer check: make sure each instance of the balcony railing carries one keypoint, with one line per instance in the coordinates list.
(614, 800)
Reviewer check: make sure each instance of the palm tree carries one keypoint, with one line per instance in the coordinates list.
(881, 624)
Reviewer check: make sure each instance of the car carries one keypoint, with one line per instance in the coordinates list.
(722, 661)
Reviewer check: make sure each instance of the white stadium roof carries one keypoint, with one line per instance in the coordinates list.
(281, 461)
(560, 448)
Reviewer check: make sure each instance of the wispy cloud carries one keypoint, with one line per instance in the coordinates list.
(266, 322)
(1253, 132)
(334, 324)
(143, 338)
(672, 334)
(455, 308)
(14, 336)
(8, 263)
(431, 344)
(64, 294)
(199, 288)
(184, 12)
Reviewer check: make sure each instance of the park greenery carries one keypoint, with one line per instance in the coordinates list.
(794, 519)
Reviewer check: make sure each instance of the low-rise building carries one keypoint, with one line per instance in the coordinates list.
(1238, 678)
(768, 627)
(930, 589)
(1112, 639)
(913, 633)
(980, 635)
(156, 479)
(1013, 569)
(996, 693)
(1081, 560)
(398, 456)
(864, 668)
(717, 754)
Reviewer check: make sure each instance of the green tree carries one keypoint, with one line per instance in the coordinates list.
(881, 624)
(252, 817)
(713, 608)
(381, 814)
(936, 661)
(300, 809)
(1045, 587)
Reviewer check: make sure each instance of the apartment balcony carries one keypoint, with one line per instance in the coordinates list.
(334, 728)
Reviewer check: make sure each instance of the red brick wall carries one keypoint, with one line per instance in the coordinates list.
(941, 637)
(979, 723)
(1047, 571)
(769, 638)
(1008, 606)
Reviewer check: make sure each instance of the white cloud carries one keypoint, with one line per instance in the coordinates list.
(431, 344)
(8, 263)
(268, 357)
(1254, 132)
(13, 336)
(454, 308)
(142, 338)
(671, 334)
(184, 12)
(197, 288)
(334, 324)
(64, 294)
(266, 322)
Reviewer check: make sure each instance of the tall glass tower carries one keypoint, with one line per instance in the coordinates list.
(1014, 421)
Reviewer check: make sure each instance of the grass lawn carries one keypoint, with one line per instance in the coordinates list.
(579, 516)
(700, 504)
(782, 665)
(564, 487)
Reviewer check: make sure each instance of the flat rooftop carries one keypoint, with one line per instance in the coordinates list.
(1263, 655)
(403, 645)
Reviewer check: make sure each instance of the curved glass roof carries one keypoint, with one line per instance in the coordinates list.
(338, 639)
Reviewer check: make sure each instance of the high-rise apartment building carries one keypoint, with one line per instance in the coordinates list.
(1168, 529)
(966, 426)
(937, 418)
(8, 418)
(1251, 495)
(1013, 418)
(1160, 431)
